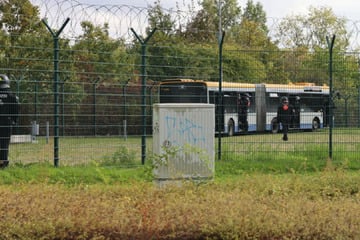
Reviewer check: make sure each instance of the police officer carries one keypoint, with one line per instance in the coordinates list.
(285, 114)
(244, 104)
(9, 110)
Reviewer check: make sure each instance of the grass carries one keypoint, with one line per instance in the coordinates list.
(304, 152)
(323, 205)
(112, 159)
(73, 150)
(266, 189)
(306, 145)
(71, 175)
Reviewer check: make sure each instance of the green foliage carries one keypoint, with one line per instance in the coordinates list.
(160, 20)
(205, 24)
(19, 17)
(123, 157)
(264, 162)
(255, 13)
(253, 69)
(196, 62)
(69, 175)
(99, 53)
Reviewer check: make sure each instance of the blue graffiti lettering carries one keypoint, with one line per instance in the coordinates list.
(190, 131)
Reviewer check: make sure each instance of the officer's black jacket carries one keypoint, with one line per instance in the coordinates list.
(9, 107)
(285, 116)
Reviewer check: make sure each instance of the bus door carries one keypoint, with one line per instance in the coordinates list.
(295, 101)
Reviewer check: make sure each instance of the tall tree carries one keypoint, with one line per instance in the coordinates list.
(96, 53)
(305, 35)
(26, 53)
(255, 13)
(19, 16)
(159, 19)
(212, 16)
(21, 26)
(252, 32)
(252, 40)
(310, 30)
(19, 20)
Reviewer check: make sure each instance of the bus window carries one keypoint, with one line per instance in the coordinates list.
(312, 103)
(230, 103)
(252, 103)
(272, 102)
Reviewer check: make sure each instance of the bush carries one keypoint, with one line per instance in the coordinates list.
(122, 157)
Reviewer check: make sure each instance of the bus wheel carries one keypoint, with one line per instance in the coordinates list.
(315, 124)
(274, 126)
(231, 128)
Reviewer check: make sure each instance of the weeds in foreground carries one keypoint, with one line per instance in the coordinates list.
(254, 196)
(257, 206)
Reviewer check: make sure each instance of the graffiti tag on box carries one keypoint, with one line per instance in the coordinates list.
(182, 130)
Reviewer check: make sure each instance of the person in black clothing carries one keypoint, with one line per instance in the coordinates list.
(9, 110)
(244, 104)
(285, 114)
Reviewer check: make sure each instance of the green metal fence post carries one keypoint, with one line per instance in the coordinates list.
(346, 101)
(95, 83)
(358, 106)
(62, 84)
(125, 109)
(220, 109)
(143, 90)
(36, 89)
(55, 36)
(331, 100)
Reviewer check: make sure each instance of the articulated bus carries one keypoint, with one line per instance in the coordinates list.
(310, 102)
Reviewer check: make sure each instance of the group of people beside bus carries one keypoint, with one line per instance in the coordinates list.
(285, 113)
(244, 104)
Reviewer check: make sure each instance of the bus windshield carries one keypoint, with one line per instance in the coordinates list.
(183, 92)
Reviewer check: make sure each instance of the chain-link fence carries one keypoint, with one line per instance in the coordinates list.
(90, 97)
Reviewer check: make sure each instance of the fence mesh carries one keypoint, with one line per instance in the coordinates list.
(101, 92)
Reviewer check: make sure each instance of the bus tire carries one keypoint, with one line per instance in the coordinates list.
(231, 128)
(274, 125)
(315, 124)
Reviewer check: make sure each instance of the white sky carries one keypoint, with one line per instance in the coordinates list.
(349, 9)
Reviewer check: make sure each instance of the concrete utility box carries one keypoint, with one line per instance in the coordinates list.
(183, 141)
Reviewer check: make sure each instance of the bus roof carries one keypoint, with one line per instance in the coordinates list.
(180, 80)
(270, 87)
(297, 87)
(212, 84)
